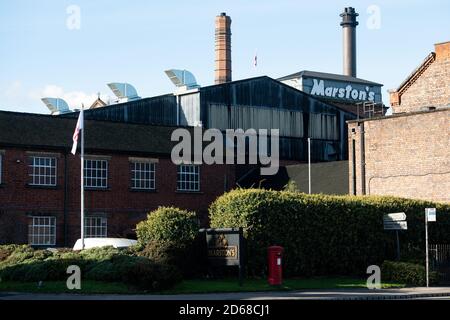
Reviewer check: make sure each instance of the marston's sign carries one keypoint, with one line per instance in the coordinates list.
(220, 248)
(348, 92)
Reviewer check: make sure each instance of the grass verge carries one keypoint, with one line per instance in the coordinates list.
(194, 286)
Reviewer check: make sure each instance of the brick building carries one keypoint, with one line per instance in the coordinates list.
(407, 154)
(128, 172)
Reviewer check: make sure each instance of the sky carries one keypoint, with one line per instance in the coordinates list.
(72, 49)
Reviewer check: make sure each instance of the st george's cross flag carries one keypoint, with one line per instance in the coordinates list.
(78, 128)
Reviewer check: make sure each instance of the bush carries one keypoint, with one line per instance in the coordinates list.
(189, 259)
(144, 274)
(168, 224)
(7, 250)
(170, 236)
(407, 273)
(101, 264)
(323, 234)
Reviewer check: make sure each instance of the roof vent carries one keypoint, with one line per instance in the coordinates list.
(182, 79)
(56, 105)
(124, 91)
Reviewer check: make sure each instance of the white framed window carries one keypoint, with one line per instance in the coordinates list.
(42, 231)
(42, 171)
(188, 177)
(95, 227)
(95, 173)
(143, 175)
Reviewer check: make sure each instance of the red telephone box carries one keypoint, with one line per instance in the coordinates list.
(275, 265)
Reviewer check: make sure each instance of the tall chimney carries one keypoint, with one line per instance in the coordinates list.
(223, 49)
(349, 24)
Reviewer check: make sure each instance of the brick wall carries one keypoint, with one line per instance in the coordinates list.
(405, 155)
(428, 88)
(122, 206)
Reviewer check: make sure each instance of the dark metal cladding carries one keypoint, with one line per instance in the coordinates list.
(267, 92)
(262, 92)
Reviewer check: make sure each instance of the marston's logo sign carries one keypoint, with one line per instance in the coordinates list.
(221, 249)
(348, 92)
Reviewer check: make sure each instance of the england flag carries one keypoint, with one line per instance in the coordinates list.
(76, 134)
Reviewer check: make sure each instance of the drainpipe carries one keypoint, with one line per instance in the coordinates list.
(362, 158)
(354, 166)
(66, 187)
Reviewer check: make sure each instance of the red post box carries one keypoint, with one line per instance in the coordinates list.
(275, 265)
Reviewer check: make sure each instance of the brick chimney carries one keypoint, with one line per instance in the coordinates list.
(442, 51)
(223, 49)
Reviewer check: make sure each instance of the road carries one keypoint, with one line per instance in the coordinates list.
(339, 294)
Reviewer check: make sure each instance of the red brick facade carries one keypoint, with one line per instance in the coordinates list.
(407, 154)
(428, 86)
(122, 206)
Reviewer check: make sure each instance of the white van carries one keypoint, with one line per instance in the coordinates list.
(104, 242)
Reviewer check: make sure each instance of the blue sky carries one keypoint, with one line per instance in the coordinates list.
(135, 41)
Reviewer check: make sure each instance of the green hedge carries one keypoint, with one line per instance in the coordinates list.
(25, 264)
(168, 224)
(407, 273)
(321, 234)
(170, 236)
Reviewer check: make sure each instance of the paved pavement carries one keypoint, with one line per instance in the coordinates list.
(339, 294)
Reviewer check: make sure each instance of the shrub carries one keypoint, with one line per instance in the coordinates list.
(168, 224)
(145, 274)
(190, 259)
(7, 250)
(100, 264)
(323, 234)
(407, 273)
(170, 236)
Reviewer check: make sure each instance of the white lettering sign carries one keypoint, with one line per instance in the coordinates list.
(348, 92)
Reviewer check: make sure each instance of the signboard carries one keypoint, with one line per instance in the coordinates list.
(396, 225)
(345, 91)
(224, 246)
(395, 221)
(401, 216)
(431, 214)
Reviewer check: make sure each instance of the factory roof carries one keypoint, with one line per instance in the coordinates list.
(330, 76)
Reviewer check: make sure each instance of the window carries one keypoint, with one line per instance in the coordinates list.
(95, 227)
(42, 231)
(95, 173)
(43, 171)
(143, 175)
(188, 178)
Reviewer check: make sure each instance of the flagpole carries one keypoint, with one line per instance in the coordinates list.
(82, 177)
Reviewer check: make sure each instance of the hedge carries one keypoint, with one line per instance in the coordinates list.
(170, 236)
(323, 234)
(407, 273)
(25, 264)
(168, 224)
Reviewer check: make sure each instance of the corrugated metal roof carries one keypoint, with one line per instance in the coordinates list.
(330, 76)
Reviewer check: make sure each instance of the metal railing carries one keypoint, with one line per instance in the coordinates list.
(440, 261)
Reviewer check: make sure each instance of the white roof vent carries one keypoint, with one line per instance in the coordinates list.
(56, 105)
(124, 91)
(183, 79)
